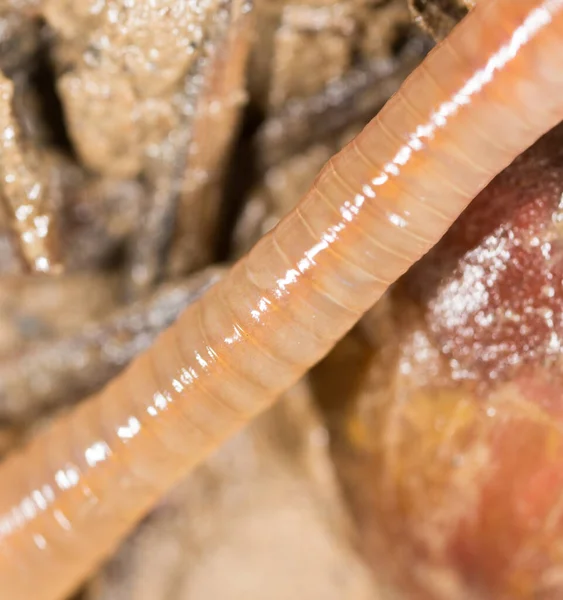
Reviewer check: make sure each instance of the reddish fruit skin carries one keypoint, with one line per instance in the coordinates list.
(453, 454)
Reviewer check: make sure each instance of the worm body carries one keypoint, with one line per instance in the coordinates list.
(69, 497)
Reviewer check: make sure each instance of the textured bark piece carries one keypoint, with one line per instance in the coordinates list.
(450, 445)
(185, 193)
(165, 166)
(262, 518)
(100, 112)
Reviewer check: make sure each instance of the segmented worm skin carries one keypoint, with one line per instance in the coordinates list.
(483, 96)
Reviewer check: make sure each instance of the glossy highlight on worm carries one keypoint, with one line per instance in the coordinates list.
(478, 100)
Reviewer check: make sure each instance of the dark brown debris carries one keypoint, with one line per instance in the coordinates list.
(19, 39)
(100, 215)
(438, 17)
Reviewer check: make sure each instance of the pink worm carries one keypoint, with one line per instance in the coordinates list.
(478, 100)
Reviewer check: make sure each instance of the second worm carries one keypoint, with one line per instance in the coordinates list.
(478, 100)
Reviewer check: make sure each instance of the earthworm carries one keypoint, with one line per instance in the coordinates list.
(71, 495)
